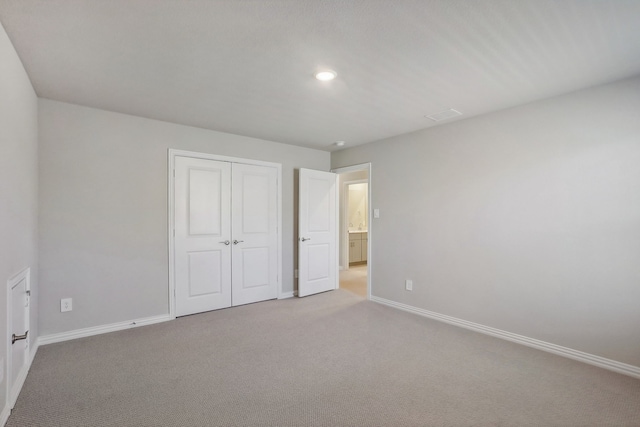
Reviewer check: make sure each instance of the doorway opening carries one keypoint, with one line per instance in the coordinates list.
(354, 183)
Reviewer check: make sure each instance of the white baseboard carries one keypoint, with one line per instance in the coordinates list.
(103, 329)
(612, 365)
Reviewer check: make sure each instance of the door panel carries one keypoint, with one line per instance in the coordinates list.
(317, 231)
(255, 233)
(202, 235)
(205, 270)
(319, 269)
(205, 204)
(319, 204)
(254, 210)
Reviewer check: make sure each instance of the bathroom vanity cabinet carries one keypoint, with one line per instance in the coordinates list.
(357, 246)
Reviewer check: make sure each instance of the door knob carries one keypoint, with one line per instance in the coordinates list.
(15, 337)
(226, 242)
(235, 242)
(304, 239)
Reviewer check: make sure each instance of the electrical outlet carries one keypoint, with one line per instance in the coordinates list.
(408, 284)
(66, 304)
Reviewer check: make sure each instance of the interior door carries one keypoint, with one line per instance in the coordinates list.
(19, 339)
(317, 232)
(254, 233)
(202, 235)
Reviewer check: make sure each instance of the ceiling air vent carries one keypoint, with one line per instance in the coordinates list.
(443, 115)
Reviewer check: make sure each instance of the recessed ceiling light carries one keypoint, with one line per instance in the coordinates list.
(326, 75)
(340, 143)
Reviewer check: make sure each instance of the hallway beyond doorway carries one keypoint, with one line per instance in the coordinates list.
(354, 280)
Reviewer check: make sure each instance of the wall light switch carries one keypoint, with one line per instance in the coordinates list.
(376, 213)
(408, 285)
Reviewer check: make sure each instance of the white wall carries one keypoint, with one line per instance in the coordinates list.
(103, 204)
(526, 220)
(18, 187)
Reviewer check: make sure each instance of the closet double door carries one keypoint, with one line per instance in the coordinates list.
(226, 240)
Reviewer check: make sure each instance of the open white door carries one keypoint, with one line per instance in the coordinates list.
(317, 232)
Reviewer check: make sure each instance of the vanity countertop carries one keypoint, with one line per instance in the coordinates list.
(357, 231)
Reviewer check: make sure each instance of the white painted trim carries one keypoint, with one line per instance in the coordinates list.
(208, 156)
(171, 164)
(103, 329)
(337, 233)
(368, 167)
(352, 168)
(592, 359)
(172, 154)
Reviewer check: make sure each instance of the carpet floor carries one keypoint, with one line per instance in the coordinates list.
(332, 359)
(354, 280)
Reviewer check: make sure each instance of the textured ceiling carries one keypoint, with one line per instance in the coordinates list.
(246, 66)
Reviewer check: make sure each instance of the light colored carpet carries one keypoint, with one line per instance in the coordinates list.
(332, 359)
(354, 280)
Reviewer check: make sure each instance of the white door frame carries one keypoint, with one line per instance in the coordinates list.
(173, 153)
(353, 168)
(13, 390)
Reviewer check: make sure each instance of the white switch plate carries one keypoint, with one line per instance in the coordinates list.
(376, 213)
(408, 285)
(66, 304)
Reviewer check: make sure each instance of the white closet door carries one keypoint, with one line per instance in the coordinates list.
(202, 235)
(254, 233)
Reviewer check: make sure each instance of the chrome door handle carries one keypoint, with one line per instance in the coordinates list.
(304, 239)
(226, 242)
(15, 337)
(235, 242)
